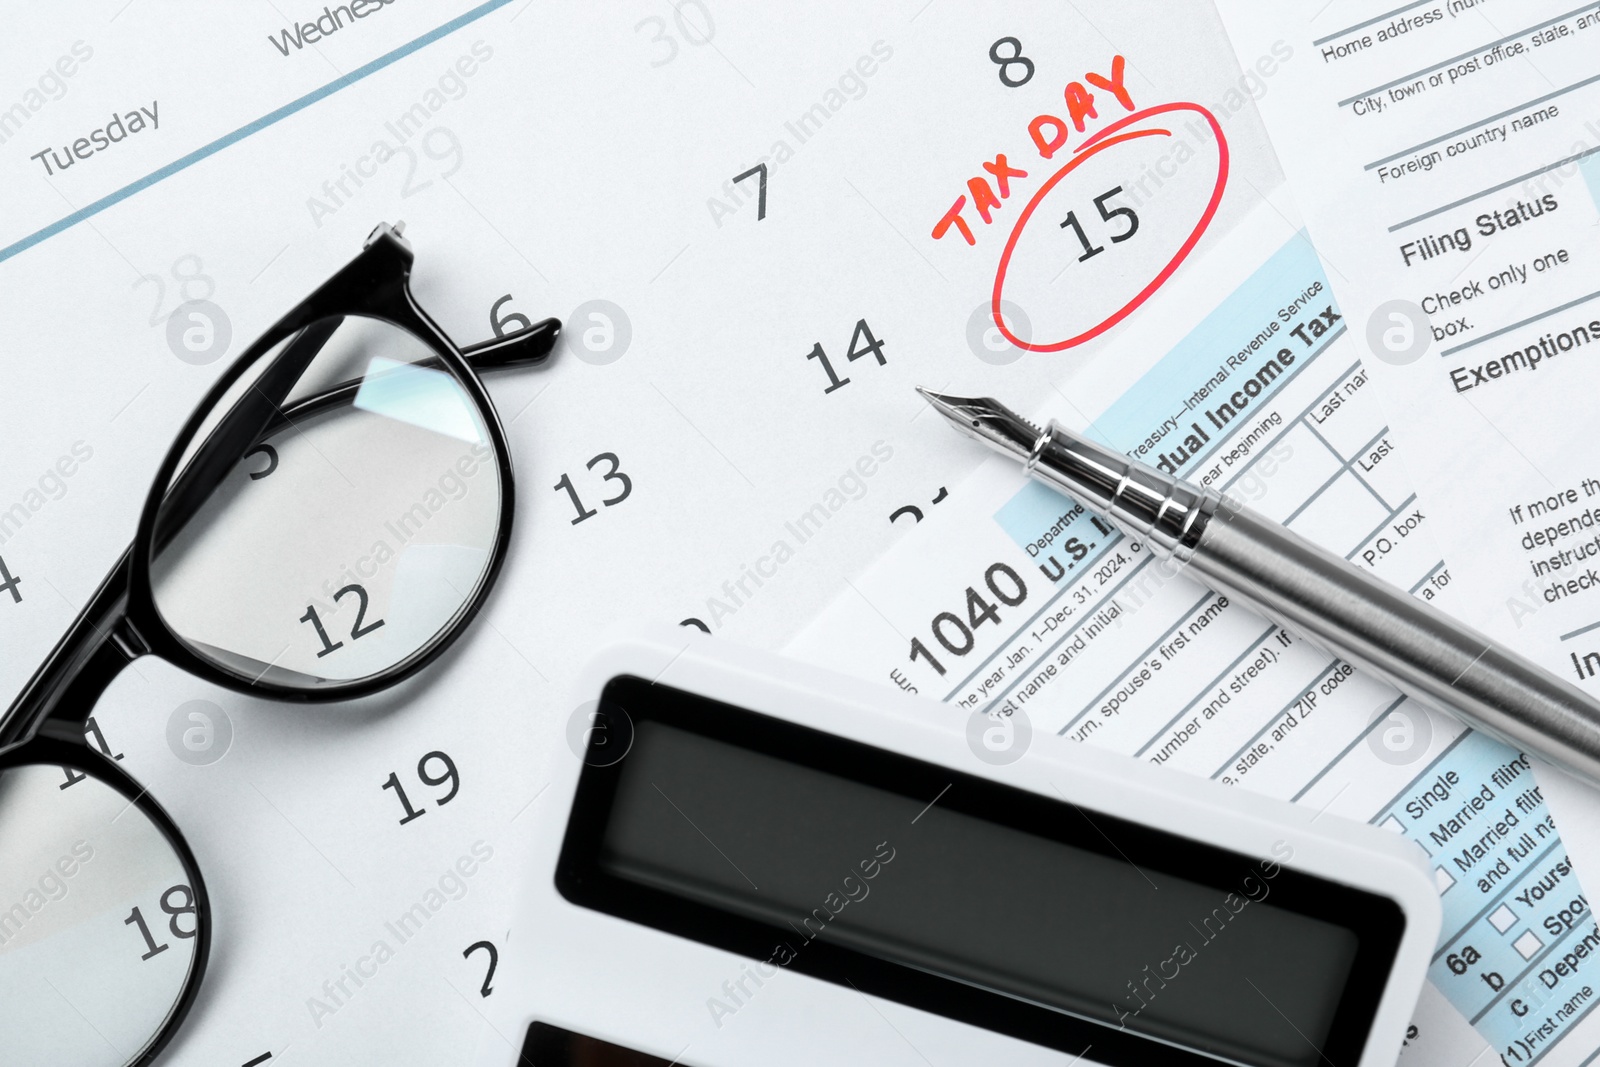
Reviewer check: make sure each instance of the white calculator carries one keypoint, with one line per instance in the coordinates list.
(757, 862)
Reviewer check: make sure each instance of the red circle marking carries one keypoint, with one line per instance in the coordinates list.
(1090, 148)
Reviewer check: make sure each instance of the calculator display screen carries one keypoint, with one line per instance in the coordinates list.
(854, 860)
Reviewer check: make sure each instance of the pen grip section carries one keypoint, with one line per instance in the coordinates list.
(1148, 504)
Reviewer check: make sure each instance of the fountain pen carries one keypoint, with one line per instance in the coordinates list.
(1303, 588)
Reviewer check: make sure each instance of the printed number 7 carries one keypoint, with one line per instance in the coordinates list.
(761, 195)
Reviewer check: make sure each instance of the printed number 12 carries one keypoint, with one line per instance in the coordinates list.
(356, 632)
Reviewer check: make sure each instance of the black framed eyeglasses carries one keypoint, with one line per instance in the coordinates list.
(328, 521)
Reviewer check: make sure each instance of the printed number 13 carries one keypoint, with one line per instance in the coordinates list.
(613, 475)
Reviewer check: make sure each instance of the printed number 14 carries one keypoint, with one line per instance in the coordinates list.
(868, 346)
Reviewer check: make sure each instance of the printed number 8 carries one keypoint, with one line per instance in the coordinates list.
(1006, 62)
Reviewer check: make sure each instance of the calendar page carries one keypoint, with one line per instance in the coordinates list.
(761, 227)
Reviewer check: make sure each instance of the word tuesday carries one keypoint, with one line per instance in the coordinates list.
(118, 129)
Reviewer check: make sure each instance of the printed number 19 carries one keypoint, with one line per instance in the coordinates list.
(450, 775)
(1090, 250)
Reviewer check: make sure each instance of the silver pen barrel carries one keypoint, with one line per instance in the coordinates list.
(1408, 643)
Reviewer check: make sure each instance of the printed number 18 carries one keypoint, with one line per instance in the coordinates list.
(187, 907)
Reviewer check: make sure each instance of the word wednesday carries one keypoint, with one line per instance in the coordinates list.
(331, 21)
(118, 129)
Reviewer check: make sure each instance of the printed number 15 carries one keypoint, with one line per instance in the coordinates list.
(1090, 250)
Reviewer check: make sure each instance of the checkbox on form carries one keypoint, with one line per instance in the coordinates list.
(1528, 944)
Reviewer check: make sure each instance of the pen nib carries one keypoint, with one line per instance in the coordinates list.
(988, 420)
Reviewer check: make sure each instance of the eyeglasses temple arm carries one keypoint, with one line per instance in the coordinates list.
(238, 430)
(98, 644)
(85, 661)
(80, 667)
(527, 347)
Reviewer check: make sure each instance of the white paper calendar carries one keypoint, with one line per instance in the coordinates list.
(761, 227)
